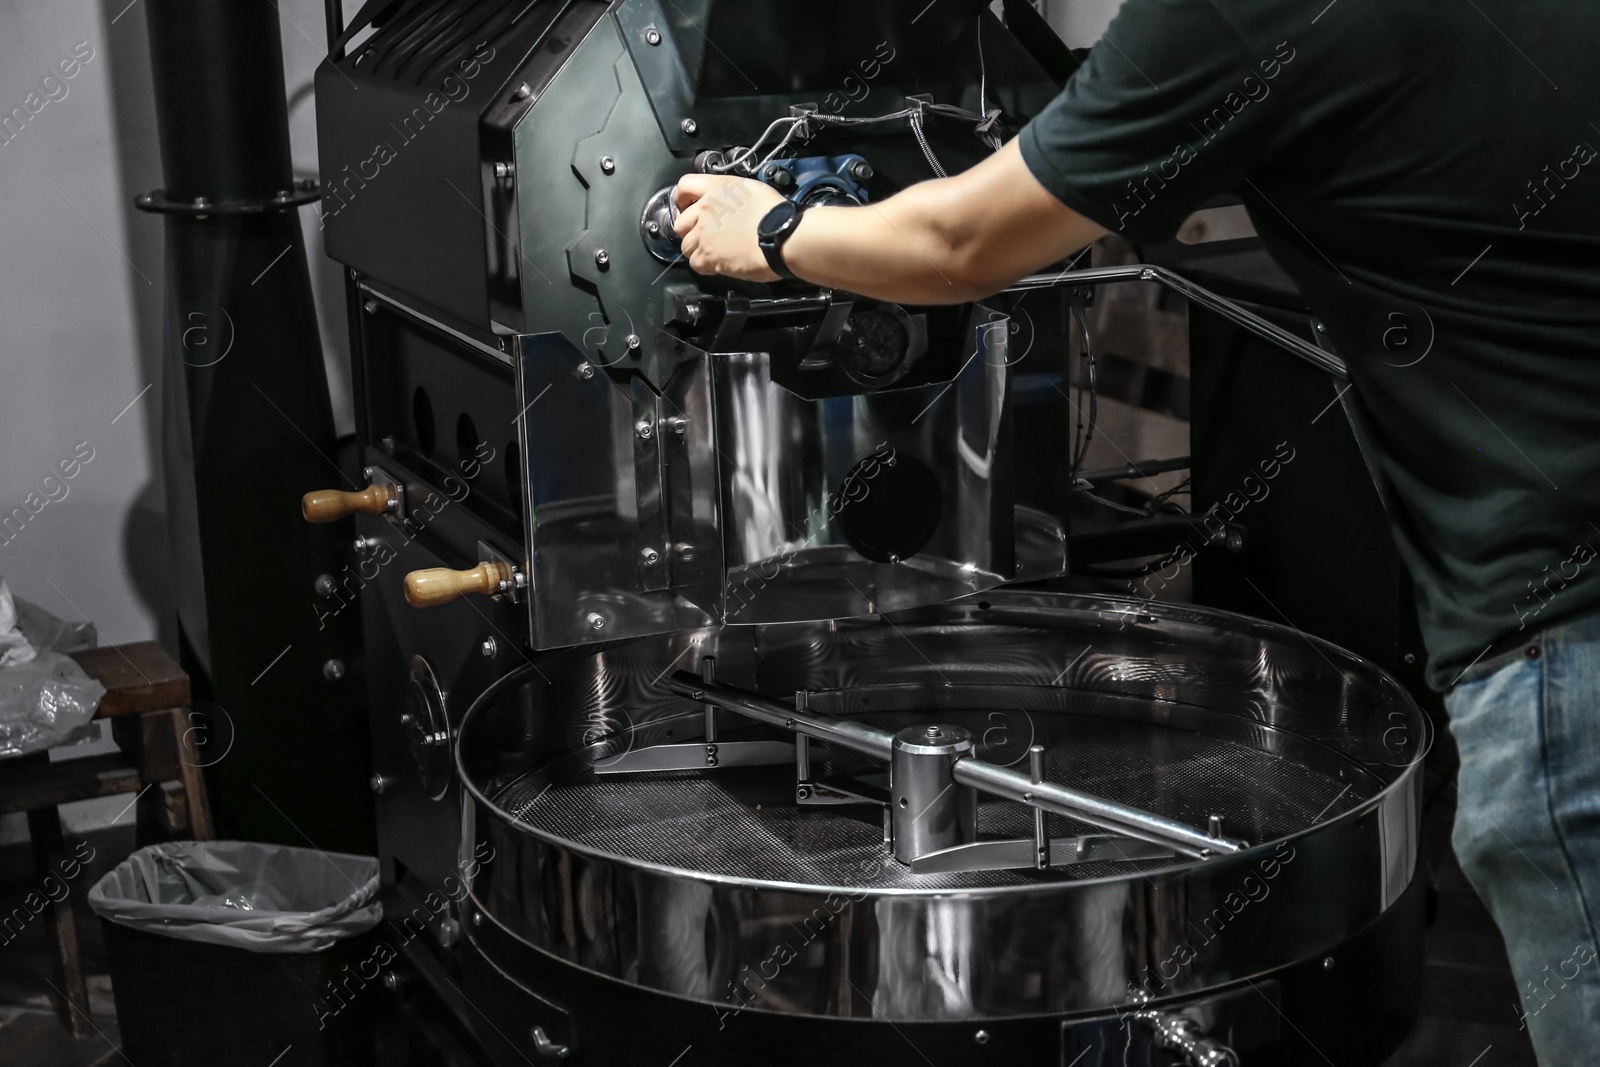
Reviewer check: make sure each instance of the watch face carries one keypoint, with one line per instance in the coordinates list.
(776, 221)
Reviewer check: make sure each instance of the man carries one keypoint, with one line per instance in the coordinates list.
(1432, 158)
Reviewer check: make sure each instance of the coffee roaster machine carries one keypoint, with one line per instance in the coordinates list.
(720, 713)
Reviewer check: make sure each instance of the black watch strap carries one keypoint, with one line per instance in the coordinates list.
(773, 230)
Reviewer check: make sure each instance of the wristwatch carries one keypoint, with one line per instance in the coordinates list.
(773, 230)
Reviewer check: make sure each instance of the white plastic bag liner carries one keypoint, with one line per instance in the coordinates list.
(45, 698)
(243, 894)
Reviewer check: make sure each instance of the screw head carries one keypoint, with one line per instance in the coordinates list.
(644, 429)
(601, 257)
(333, 670)
(633, 342)
(370, 307)
(477, 918)
(651, 557)
(1327, 963)
(522, 92)
(378, 783)
(686, 553)
(585, 370)
(201, 201)
(652, 36)
(325, 585)
(1411, 657)
(653, 228)
(489, 648)
(596, 621)
(981, 1037)
(607, 165)
(689, 126)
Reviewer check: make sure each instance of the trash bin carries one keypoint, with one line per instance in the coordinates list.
(225, 952)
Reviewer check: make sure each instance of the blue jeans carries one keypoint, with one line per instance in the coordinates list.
(1527, 828)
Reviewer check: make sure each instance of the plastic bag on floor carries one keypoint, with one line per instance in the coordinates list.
(45, 698)
(243, 894)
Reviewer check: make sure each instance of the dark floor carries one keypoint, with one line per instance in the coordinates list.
(1467, 1019)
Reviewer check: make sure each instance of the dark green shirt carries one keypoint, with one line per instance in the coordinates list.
(1435, 161)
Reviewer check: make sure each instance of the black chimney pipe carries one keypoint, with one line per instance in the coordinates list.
(247, 429)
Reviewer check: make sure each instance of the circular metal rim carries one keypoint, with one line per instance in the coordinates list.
(1147, 610)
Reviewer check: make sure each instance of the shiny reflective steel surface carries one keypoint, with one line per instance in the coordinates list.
(716, 886)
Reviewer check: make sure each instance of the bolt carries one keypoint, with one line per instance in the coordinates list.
(643, 429)
(1214, 826)
(585, 370)
(504, 170)
(597, 621)
(449, 933)
(1327, 963)
(633, 342)
(201, 201)
(477, 918)
(651, 557)
(861, 170)
(686, 553)
(325, 585)
(652, 36)
(522, 92)
(601, 258)
(333, 670)
(392, 982)
(363, 545)
(283, 194)
(1411, 657)
(488, 648)
(981, 1037)
(607, 165)
(370, 307)
(405, 718)
(679, 424)
(933, 732)
(378, 784)
(653, 228)
(689, 126)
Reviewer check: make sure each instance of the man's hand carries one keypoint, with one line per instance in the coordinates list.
(717, 221)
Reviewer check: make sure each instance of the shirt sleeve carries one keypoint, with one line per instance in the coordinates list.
(1171, 108)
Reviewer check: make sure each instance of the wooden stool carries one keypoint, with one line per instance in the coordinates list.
(147, 697)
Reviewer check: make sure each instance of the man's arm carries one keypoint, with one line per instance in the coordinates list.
(944, 241)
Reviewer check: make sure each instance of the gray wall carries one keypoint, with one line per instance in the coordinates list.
(80, 307)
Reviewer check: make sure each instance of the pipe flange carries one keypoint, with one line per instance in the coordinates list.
(302, 192)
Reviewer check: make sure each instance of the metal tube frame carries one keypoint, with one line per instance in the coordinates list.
(968, 771)
(1145, 272)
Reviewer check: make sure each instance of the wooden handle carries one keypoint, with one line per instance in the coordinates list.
(331, 505)
(440, 585)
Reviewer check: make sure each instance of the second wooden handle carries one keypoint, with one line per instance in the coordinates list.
(331, 505)
(440, 585)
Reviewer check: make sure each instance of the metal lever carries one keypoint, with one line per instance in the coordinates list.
(1181, 1034)
(546, 1049)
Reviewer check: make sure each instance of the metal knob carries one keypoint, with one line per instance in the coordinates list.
(1181, 1034)
(547, 1049)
